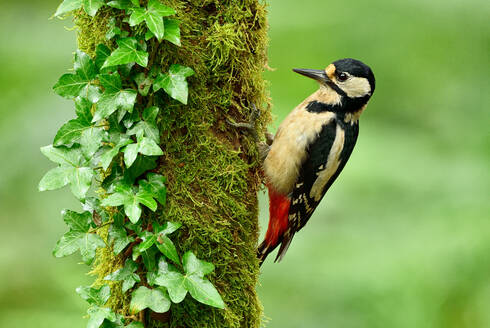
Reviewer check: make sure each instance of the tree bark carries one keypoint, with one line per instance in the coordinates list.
(212, 169)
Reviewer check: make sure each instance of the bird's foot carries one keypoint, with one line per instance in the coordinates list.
(251, 128)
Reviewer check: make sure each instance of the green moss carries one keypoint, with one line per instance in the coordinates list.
(212, 169)
(92, 31)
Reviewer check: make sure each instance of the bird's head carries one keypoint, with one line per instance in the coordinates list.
(348, 77)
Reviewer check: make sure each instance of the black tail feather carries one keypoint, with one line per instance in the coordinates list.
(264, 249)
(286, 241)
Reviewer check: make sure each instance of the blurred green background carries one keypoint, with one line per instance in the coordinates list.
(402, 238)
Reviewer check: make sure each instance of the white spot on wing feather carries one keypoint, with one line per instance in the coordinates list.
(331, 166)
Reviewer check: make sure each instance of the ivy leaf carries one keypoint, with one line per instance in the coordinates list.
(83, 109)
(80, 180)
(200, 288)
(194, 266)
(78, 237)
(167, 247)
(74, 85)
(84, 65)
(70, 132)
(144, 83)
(130, 153)
(111, 82)
(99, 216)
(114, 97)
(137, 16)
(145, 146)
(69, 85)
(169, 277)
(154, 299)
(101, 54)
(140, 166)
(68, 244)
(55, 178)
(92, 6)
(94, 296)
(93, 93)
(97, 315)
(97, 297)
(116, 199)
(174, 83)
(172, 31)
(155, 24)
(146, 199)
(168, 227)
(155, 185)
(112, 29)
(177, 284)
(118, 323)
(135, 324)
(63, 155)
(127, 53)
(67, 6)
(77, 222)
(119, 238)
(149, 147)
(158, 8)
(130, 119)
(89, 242)
(148, 257)
(124, 99)
(153, 16)
(150, 114)
(148, 35)
(143, 128)
(203, 291)
(132, 210)
(110, 152)
(124, 195)
(112, 180)
(149, 240)
(120, 4)
(126, 274)
(71, 170)
(91, 140)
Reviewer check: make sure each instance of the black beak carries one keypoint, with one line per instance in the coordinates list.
(315, 74)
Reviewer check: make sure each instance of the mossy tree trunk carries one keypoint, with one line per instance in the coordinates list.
(212, 169)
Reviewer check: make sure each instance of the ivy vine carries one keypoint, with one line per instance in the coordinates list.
(107, 155)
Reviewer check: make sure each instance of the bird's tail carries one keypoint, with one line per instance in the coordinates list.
(278, 223)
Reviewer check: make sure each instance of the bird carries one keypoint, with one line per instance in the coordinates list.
(311, 147)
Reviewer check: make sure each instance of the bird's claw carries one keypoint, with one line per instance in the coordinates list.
(250, 126)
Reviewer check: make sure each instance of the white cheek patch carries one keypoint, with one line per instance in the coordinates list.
(356, 87)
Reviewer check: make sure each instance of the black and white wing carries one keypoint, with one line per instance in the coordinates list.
(326, 158)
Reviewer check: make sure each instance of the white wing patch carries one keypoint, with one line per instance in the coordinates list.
(331, 166)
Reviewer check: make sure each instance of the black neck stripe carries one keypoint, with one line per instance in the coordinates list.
(319, 107)
(336, 88)
(348, 105)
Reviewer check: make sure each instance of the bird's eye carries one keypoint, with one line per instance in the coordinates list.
(342, 77)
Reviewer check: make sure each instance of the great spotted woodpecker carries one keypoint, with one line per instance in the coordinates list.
(311, 147)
